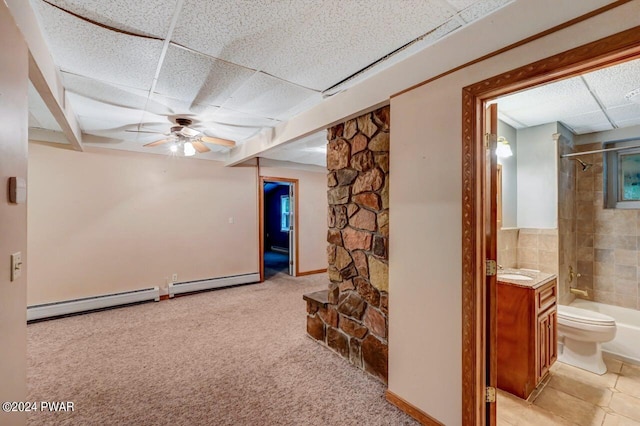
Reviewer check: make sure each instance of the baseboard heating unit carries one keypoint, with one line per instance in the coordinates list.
(191, 286)
(48, 310)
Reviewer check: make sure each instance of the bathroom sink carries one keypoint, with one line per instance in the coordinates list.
(515, 277)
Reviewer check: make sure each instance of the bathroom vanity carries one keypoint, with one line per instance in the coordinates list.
(527, 329)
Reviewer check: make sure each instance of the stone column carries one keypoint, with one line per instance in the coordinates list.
(358, 235)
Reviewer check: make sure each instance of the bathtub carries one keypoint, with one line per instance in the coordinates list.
(626, 345)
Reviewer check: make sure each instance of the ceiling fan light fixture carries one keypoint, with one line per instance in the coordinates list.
(173, 147)
(189, 150)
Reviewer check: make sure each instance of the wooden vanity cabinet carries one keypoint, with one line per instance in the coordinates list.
(527, 335)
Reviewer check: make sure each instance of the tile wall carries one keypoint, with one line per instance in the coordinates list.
(608, 250)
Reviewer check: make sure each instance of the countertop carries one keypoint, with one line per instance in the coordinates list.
(539, 278)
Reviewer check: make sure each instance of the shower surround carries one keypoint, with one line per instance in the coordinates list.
(608, 250)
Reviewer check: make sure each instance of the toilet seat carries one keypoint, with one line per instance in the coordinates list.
(583, 316)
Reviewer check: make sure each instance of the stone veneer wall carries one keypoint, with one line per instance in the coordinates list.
(358, 235)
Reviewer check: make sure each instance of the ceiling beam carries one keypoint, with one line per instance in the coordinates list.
(43, 72)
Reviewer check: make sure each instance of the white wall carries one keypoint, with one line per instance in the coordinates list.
(104, 221)
(537, 165)
(13, 217)
(509, 177)
(426, 201)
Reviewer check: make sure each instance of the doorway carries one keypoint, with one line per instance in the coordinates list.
(479, 201)
(278, 226)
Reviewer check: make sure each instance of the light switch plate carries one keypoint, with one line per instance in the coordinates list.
(16, 266)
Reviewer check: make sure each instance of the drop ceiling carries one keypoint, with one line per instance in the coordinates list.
(239, 67)
(592, 102)
(235, 67)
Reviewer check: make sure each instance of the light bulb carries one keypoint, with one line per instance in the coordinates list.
(173, 147)
(189, 150)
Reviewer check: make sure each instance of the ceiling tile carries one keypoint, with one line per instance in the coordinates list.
(611, 84)
(585, 123)
(461, 4)
(197, 78)
(150, 17)
(267, 96)
(482, 8)
(630, 122)
(111, 115)
(112, 94)
(625, 112)
(549, 103)
(89, 50)
(313, 44)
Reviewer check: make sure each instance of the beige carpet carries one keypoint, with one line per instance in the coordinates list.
(237, 356)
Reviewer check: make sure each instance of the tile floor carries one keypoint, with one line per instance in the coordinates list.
(573, 396)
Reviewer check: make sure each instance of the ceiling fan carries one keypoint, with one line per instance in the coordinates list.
(185, 139)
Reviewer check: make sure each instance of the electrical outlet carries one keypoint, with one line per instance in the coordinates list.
(16, 266)
(174, 278)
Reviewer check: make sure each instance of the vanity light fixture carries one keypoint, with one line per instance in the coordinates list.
(503, 149)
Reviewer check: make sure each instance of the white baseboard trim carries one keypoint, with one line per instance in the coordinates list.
(55, 309)
(191, 286)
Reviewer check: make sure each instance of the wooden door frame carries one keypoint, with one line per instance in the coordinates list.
(602, 53)
(296, 213)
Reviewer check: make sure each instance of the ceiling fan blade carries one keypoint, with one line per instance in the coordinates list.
(200, 147)
(145, 131)
(156, 143)
(189, 132)
(218, 141)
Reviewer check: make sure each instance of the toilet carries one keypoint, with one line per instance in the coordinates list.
(580, 334)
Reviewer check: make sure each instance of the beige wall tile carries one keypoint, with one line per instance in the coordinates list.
(604, 241)
(604, 284)
(626, 288)
(626, 242)
(626, 272)
(604, 255)
(526, 240)
(527, 255)
(607, 297)
(585, 254)
(603, 269)
(548, 242)
(616, 420)
(626, 257)
(604, 227)
(584, 239)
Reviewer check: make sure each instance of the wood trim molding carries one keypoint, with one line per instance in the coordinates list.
(261, 181)
(164, 297)
(605, 52)
(411, 410)
(317, 271)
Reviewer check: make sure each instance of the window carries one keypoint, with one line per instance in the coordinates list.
(622, 184)
(630, 177)
(284, 213)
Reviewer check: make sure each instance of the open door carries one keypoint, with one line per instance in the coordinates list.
(292, 231)
(490, 212)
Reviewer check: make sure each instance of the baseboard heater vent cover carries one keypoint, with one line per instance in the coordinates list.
(56, 309)
(191, 286)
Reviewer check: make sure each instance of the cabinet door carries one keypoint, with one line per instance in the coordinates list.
(542, 362)
(553, 337)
